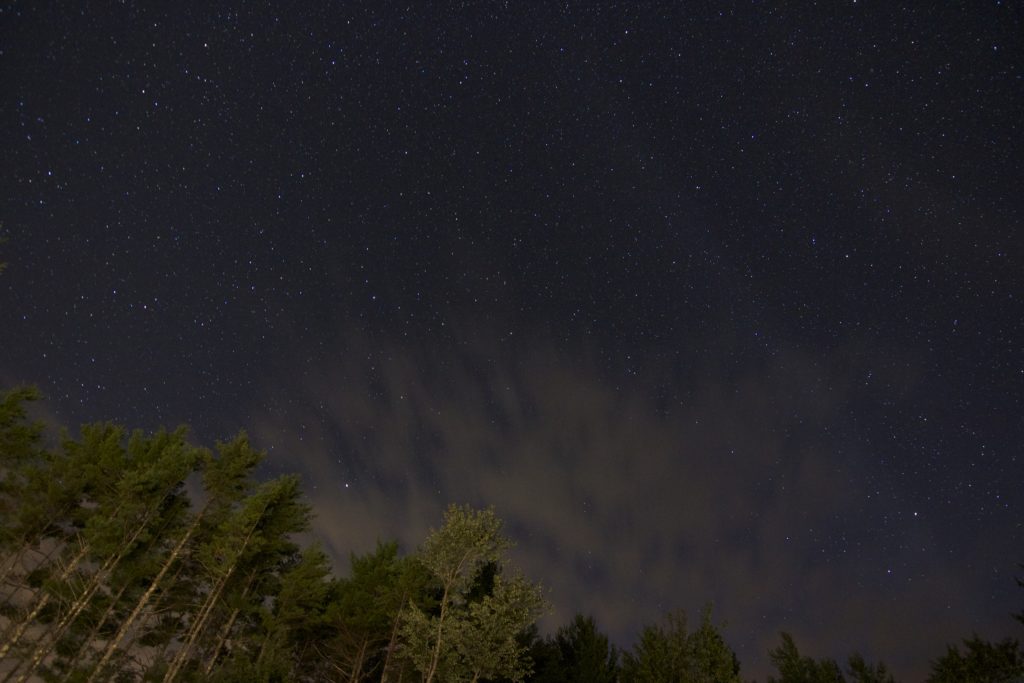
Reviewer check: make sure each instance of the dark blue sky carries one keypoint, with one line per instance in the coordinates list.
(711, 302)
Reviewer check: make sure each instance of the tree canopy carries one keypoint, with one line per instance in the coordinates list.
(112, 571)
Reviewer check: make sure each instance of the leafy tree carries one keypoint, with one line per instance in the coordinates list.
(980, 662)
(295, 630)
(863, 672)
(470, 635)
(669, 654)
(486, 641)
(794, 668)
(19, 452)
(578, 653)
(365, 610)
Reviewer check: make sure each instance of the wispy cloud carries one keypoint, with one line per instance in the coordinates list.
(626, 504)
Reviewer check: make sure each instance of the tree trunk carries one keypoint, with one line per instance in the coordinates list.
(435, 658)
(46, 643)
(143, 601)
(357, 668)
(92, 634)
(48, 640)
(21, 554)
(221, 639)
(226, 630)
(42, 602)
(196, 627)
(23, 547)
(157, 656)
(204, 614)
(391, 642)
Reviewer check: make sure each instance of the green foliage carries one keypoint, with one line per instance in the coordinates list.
(667, 653)
(119, 576)
(473, 632)
(578, 653)
(365, 610)
(794, 668)
(980, 662)
(486, 638)
(862, 672)
(20, 454)
(19, 437)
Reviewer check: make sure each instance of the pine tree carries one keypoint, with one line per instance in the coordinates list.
(363, 610)
(578, 653)
(156, 467)
(226, 479)
(795, 668)
(981, 661)
(75, 488)
(256, 533)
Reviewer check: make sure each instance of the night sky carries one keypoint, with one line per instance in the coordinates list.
(712, 301)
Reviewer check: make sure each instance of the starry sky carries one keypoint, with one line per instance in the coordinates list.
(712, 301)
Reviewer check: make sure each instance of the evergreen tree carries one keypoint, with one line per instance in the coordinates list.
(671, 655)
(578, 653)
(980, 662)
(250, 541)
(20, 453)
(147, 491)
(365, 609)
(862, 672)
(795, 668)
(226, 479)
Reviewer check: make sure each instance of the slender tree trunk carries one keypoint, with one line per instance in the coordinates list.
(143, 601)
(391, 642)
(48, 640)
(195, 628)
(221, 639)
(226, 629)
(42, 602)
(93, 634)
(14, 670)
(211, 601)
(435, 658)
(263, 650)
(46, 643)
(23, 547)
(45, 558)
(140, 631)
(357, 668)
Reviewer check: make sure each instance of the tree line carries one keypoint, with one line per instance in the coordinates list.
(127, 556)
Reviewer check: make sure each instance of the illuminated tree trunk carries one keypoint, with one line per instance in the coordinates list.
(42, 602)
(94, 633)
(143, 601)
(226, 629)
(46, 644)
(182, 655)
